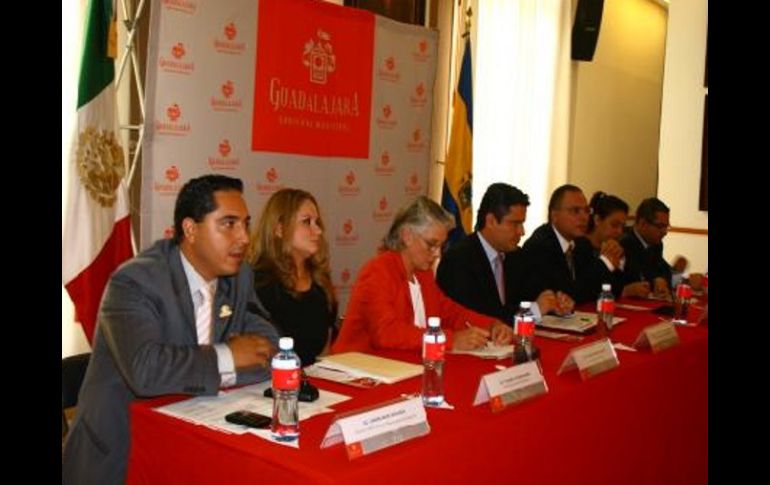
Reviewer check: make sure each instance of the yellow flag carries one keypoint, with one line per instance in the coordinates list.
(456, 196)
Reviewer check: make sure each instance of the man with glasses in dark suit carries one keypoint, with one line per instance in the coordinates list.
(643, 246)
(557, 257)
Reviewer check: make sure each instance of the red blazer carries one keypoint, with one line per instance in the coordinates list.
(380, 316)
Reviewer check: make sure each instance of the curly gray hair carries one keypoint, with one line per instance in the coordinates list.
(417, 216)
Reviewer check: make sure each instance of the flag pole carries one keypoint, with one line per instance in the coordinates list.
(456, 195)
(468, 15)
(130, 50)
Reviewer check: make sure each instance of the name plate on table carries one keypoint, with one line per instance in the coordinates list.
(374, 428)
(591, 359)
(660, 336)
(511, 386)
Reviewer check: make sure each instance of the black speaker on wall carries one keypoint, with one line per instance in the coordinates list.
(585, 30)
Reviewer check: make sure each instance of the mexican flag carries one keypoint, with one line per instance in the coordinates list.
(96, 230)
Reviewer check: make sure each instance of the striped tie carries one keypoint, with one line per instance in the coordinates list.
(203, 314)
(497, 266)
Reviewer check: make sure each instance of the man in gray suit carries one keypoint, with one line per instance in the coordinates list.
(180, 318)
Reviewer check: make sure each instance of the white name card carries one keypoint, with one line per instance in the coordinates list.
(591, 359)
(374, 428)
(660, 336)
(510, 386)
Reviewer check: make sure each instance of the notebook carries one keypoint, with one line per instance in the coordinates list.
(360, 365)
(578, 322)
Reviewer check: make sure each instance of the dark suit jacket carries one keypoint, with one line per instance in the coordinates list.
(146, 345)
(641, 262)
(615, 278)
(466, 276)
(545, 267)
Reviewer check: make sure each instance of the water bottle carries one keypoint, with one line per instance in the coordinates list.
(605, 308)
(682, 302)
(433, 346)
(524, 349)
(286, 379)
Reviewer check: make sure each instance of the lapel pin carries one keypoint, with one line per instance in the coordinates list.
(225, 311)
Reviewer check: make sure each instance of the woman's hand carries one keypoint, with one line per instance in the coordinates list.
(470, 338)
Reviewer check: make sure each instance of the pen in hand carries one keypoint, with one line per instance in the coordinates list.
(472, 338)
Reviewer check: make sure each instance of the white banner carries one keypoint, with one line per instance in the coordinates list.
(203, 77)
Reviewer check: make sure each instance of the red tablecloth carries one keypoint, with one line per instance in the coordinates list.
(644, 422)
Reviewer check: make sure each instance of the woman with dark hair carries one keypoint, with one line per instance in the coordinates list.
(396, 292)
(605, 225)
(290, 258)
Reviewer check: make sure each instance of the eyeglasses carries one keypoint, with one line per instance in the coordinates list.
(577, 210)
(663, 226)
(433, 246)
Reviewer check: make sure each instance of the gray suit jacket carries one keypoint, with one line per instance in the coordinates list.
(146, 345)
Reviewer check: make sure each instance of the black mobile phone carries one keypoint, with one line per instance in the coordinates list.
(250, 419)
(665, 310)
(307, 392)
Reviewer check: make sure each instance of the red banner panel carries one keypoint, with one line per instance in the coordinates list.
(313, 79)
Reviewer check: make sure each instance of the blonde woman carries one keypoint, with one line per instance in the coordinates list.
(290, 258)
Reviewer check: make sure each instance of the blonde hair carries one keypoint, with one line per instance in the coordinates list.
(417, 216)
(270, 254)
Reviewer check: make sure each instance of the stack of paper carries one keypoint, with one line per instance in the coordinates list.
(580, 322)
(351, 366)
(210, 411)
(489, 351)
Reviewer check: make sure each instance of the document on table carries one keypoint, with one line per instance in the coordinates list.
(489, 351)
(340, 376)
(580, 322)
(565, 337)
(349, 367)
(635, 308)
(210, 411)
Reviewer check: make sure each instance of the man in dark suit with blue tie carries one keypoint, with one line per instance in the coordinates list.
(481, 271)
(158, 334)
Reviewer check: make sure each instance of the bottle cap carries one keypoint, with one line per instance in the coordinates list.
(286, 343)
(434, 322)
(606, 287)
(525, 304)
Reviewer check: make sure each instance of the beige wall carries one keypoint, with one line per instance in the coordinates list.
(616, 104)
(681, 129)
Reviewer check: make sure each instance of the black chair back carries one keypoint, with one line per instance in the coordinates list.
(73, 369)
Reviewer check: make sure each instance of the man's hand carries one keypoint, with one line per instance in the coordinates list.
(502, 334)
(546, 301)
(696, 281)
(680, 264)
(639, 289)
(660, 288)
(565, 303)
(250, 350)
